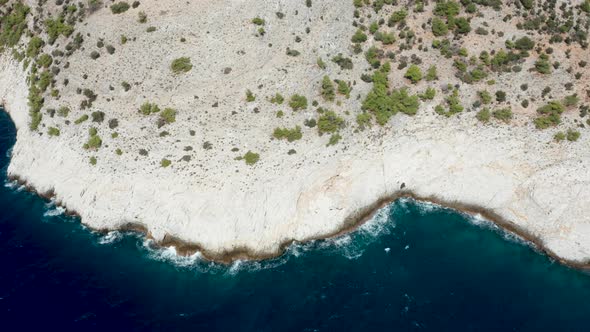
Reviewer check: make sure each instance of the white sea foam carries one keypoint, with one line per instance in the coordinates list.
(11, 184)
(14, 185)
(111, 237)
(168, 254)
(479, 221)
(55, 211)
(426, 207)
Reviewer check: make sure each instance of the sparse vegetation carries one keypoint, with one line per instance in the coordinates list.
(549, 115)
(149, 108)
(290, 135)
(181, 65)
(251, 158)
(298, 102)
(119, 7)
(328, 91)
(168, 115)
(330, 122)
(414, 74)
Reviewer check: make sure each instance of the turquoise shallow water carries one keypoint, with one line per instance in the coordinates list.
(414, 267)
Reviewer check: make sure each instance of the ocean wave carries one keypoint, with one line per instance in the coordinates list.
(480, 221)
(55, 211)
(11, 184)
(111, 237)
(14, 185)
(169, 254)
(350, 246)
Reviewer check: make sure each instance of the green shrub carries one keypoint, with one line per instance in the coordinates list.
(439, 27)
(524, 44)
(334, 139)
(45, 60)
(92, 160)
(329, 122)
(52, 131)
(277, 99)
(250, 97)
(550, 115)
(142, 17)
(94, 142)
(384, 105)
(35, 99)
(446, 8)
(572, 135)
(527, 4)
(429, 94)
(431, 73)
(559, 136)
(483, 115)
(344, 63)
(453, 103)
(310, 123)
(13, 23)
(45, 80)
(328, 92)
(359, 37)
(168, 115)
(291, 52)
(504, 114)
(251, 158)
(462, 25)
(485, 97)
(36, 118)
(542, 65)
(363, 120)
(119, 7)
(258, 21)
(387, 38)
(397, 17)
(181, 65)
(56, 27)
(372, 56)
(571, 100)
(584, 6)
(288, 134)
(81, 119)
(344, 88)
(373, 27)
(414, 74)
(126, 86)
(35, 46)
(165, 163)
(98, 116)
(150, 29)
(63, 111)
(298, 102)
(149, 108)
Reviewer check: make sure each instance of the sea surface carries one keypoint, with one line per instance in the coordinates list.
(414, 267)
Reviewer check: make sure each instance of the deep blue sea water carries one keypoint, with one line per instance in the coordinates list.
(414, 267)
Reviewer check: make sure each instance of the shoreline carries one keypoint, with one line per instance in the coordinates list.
(349, 225)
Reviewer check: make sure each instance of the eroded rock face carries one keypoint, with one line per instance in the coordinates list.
(207, 197)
